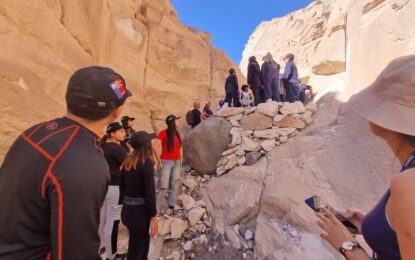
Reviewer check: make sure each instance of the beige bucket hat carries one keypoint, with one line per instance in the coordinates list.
(390, 101)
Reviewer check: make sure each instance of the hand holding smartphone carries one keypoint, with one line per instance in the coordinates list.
(317, 203)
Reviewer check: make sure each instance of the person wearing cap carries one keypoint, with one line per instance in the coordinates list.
(54, 177)
(207, 111)
(389, 229)
(290, 79)
(171, 157)
(138, 194)
(128, 123)
(115, 154)
(231, 89)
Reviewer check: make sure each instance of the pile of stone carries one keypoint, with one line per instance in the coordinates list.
(258, 130)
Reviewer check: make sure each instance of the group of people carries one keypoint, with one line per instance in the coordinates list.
(266, 84)
(59, 175)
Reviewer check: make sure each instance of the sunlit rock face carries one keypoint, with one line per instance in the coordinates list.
(166, 64)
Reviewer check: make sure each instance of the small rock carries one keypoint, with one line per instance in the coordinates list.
(240, 152)
(268, 145)
(230, 151)
(250, 110)
(293, 108)
(249, 145)
(178, 227)
(278, 118)
(201, 228)
(233, 238)
(190, 182)
(285, 131)
(269, 109)
(252, 158)
(221, 170)
(247, 133)
(188, 246)
(232, 163)
(210, 249)
(230, 111)
(175, 255)
(294, 232)
(187, 201)
(291, 122)
(203, 239)
(263, 152)
(277, 143)
(283, 139)
(236, 139)
(235, 123)
(164, 226)
(235, 117)
(195, 215)
(236, 229)
(208, 223)
(249, 235)
(266, 134)
(306, 117)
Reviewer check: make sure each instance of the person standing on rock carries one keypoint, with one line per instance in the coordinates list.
(138, 194)
(197, 116)
(115, 154)
(171, 157)
(389, 229)
(231, 89)
(276, 82)
(269, 80)
(290, 79)
(255, 79)
(54, 178)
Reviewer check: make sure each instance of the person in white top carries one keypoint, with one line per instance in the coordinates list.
(245, 98)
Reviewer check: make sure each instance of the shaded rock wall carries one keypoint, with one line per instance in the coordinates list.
(166, 64)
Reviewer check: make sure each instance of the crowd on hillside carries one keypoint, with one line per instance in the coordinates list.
(65, 187)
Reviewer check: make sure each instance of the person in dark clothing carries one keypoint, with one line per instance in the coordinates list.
(275, 84)
(291, 80)
(255, 79)
(231, 89)
(128, 123)
(138, 192)
(115, 154)
(207, 111)
(197, 115)
(269, 80)
(54, 177)
(302, 92)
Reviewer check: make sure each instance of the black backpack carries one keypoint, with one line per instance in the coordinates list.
(189, 117)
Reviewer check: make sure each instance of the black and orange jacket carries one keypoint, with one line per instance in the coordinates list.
(53, 182)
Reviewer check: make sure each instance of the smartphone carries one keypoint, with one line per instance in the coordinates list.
(317, 203)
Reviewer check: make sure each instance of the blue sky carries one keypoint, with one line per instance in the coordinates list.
(231, 22)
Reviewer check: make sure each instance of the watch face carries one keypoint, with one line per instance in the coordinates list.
(348, 246)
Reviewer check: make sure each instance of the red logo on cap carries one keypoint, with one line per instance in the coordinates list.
(52, 125)
(118, 88)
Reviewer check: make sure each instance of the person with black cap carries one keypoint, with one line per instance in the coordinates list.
(54, 178)
(115, 154)
(137, 186)
(171, 157)
(128, 122)
(290, 79)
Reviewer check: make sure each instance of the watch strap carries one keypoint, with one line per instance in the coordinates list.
(343, 251)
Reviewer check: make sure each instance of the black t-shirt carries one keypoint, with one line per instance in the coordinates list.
(196, 117)
(115, 155)
(53, 182)
(139, 183)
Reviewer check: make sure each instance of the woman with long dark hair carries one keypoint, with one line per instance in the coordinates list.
(115, 155)
(171, 161)
(389, 228)
(138, 194)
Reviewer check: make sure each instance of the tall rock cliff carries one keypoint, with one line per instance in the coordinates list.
(338, 43)
(166, 64)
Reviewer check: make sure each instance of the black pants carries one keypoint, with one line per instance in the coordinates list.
(256, 90)
(291, 92)
(232, 98)
(136, 219)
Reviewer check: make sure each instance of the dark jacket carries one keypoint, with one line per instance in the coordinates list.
(290, 74)
(268, 73)
(254, 75)
(231, 84)
(53, 182)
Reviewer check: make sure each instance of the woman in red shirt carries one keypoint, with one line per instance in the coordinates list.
(171, 160)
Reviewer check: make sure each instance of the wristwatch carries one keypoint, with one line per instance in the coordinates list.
(348, 246)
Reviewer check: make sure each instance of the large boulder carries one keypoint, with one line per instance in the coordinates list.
(204, 145)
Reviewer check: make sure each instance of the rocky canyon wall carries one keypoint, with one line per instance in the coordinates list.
(166, 64)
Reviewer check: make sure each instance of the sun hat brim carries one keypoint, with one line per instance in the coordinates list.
(385, 113)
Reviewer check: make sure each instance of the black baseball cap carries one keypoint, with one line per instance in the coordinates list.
(96, 89)
(141, 138)
(125, 119)
(289, 56)
(113, 127)
(171, 118)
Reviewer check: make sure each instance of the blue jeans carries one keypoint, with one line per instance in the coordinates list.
(169, 179)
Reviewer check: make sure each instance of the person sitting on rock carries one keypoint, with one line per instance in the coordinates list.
(171, 157)
(290, 79)
(197, 116)
(207, 112)
(138, 194)
(245, 98)
(255, 79)
(231, 89)
(303, 88)
(389, 229)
